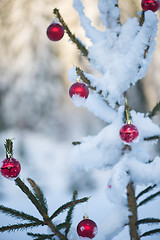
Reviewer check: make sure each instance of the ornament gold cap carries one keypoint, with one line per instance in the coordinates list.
(85, 216)
(78, 79)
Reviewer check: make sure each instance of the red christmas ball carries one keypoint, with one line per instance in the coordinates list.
(152, 5)
(79, 89)
(10, 168)
(128, 133)
(87, 228)
(55, 31)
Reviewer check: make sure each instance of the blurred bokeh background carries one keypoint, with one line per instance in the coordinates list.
(34, 105)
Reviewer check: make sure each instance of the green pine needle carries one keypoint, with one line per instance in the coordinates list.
(20, 226)
(41, 236)
(148, 221)
(30, 195)
(152, 232)
(19, 215)
(146, 190)
(62, 226)
(68, 205)
(155, 110)
(76, 143)
(70, 214)
(149, 198)
(39, 195)
(81, 74)
(156, 137)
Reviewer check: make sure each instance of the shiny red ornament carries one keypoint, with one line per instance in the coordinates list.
(79, 89)
(128, 133)
(10, 168)
(55, 31)
(152, 5)
(87, 228)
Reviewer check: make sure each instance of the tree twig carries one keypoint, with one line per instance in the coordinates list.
(45, 216)
(19, 215)
(79, 45)
(142, 19)
(70, 214)
(39, 195)
(17, 226)
(157, 137)
(68, 205)
(132, 205)
(148, 220)
(85, 79)
(76, 143)
(146, 190)
(152, 232)
(155, 110)
(146, 200)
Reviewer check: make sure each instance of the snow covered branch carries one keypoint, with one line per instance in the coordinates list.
(91, 32)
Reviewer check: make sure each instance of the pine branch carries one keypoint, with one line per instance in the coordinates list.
(62, 225)
(70, 214)
(141, 22)
(21, 226)
(155, 110)
(75, 40)
(132, 205)
(30, 195)
(145, 191)
(148, 220)
(39, 195)
(149, 198)
(68, 205)
(41, 236)
(33, 199)
(156, 137)
(19, 215)
(151, 232)
(142, 19)
(54, 229)
(85, 80)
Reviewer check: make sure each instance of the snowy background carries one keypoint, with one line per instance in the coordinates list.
(36, 110)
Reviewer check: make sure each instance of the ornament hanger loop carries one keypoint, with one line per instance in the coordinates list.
(127, 111)
(55, 20)
(85, 210)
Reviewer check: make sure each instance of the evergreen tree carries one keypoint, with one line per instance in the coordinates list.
(121, 54)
